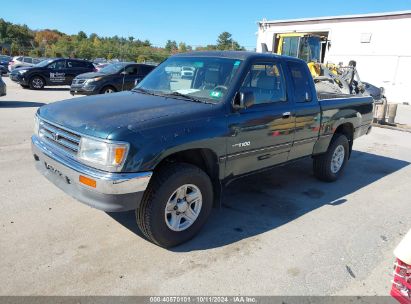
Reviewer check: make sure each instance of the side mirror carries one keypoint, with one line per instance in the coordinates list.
(243, 100)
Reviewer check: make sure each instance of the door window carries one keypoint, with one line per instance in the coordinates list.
(75, 64)
(28, 60)
(131, 70)
(290, 46)
(266, 81)
(58, 65)
(302, 89)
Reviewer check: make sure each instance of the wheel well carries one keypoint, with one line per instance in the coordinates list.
(39, 76)
(346, 129)
(108, 86)
(205, 159)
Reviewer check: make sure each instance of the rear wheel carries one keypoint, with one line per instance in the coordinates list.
(329, 166)
(107, 90)
(176, 205)
(36, 83)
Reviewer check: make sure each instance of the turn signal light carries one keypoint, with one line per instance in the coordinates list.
(87, 181)
(119, 154)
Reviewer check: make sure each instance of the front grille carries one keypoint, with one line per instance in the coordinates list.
(57, 136)
(78, 81)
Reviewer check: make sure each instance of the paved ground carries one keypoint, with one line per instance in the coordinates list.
(279, 233)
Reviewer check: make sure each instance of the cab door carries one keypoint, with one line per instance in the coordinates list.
(262, 135)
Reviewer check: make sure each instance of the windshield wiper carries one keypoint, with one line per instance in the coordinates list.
(178, 94)
(144, 91)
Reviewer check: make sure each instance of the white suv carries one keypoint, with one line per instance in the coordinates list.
(22, 61)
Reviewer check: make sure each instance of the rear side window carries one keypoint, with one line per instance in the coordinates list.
(76, 64)
(267, 83)
(145, 69)
(131, 70)
(28, 59)
(302, 88)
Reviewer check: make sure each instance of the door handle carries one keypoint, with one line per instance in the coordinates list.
(286, 114)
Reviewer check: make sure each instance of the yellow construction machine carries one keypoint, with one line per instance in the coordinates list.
(311, 47)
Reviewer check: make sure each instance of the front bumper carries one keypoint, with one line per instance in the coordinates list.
(113, 191)
(16, 77)
(84, 90)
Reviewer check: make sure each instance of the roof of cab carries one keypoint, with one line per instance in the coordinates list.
(241, 55)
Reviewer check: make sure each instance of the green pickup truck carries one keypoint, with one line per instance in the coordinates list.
(167, 148)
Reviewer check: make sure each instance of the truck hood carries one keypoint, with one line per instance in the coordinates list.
(100, 115)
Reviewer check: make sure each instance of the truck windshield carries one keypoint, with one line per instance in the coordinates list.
(204, 79)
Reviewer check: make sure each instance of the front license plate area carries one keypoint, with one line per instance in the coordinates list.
(52, 170)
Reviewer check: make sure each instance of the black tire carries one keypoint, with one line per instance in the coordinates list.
(322, 164)
(108, 90)
(150, 216)
(37, 83)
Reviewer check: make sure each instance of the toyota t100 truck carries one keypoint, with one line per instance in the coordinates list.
(167, 148)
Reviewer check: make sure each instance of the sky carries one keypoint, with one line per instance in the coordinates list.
(191, 21)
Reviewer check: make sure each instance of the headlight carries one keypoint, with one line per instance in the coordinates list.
(106, 155)
(93, 79)
(36, 125)
(22, 71)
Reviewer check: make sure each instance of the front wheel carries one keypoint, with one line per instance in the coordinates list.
(329, 166)
(36, 83)
(176, 204)
(107, 90)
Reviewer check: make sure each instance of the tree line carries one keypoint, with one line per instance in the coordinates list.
(18, 39)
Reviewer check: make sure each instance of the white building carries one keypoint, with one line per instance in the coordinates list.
(380, 43)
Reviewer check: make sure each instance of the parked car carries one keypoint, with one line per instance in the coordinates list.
(3, 70)
(115, 77)
(4, 64)
(401, 283)
(187, 72)
(168, 147)
(100, 66)
(99, 60)
(22, 61)
(52, 72)
(3, 87)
